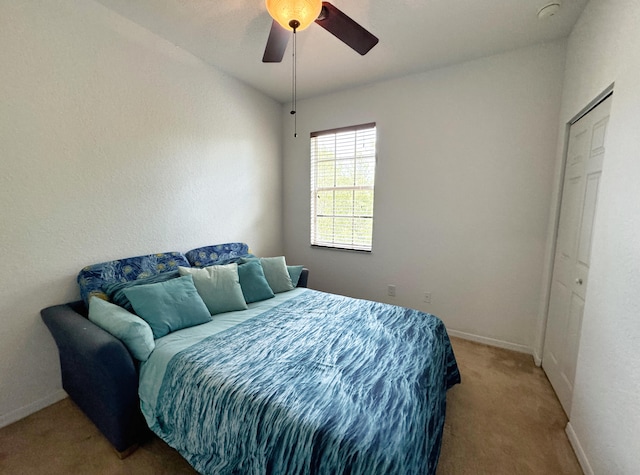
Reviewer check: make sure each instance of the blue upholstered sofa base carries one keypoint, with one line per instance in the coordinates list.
(98, 372)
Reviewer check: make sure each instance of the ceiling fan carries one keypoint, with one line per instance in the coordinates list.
(296, 15)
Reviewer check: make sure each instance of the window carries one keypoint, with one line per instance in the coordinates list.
(343, 165)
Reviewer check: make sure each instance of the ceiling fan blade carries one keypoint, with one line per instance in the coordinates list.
(345, 29)
(276, 44)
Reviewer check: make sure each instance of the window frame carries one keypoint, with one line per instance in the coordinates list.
(368, 128)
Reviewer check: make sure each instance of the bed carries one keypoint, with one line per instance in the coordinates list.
(305, 382)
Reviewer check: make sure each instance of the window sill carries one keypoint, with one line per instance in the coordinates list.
(334, 248)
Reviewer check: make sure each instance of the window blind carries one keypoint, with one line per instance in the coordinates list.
(343, 163)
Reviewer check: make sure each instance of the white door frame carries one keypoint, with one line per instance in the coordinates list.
(547, 276)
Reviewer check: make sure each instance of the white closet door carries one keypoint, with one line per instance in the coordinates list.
(573, 248)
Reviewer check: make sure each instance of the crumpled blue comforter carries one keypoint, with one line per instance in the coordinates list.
(321, 384)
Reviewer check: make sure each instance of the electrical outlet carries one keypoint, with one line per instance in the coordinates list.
(391, 290)
(427, 297)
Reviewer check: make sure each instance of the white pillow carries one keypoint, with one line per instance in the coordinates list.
(276, 273)
(219, 287)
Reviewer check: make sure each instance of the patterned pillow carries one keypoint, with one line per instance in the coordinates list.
(92, 279)
(217, 254)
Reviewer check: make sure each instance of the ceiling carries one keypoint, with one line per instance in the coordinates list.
(415, 36)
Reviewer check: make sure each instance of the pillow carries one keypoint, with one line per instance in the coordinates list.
(115, 291)
(219, 287)
(218, 254)
(253, 282)
(275, 270)
(295, 272)
(168, 306)
(93, 278)
(133, 331)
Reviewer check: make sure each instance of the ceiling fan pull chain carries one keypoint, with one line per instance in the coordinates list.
(294, 98)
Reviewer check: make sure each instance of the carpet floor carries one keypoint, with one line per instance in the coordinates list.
(503, 419)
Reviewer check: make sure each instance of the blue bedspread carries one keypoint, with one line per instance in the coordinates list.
(319, 384)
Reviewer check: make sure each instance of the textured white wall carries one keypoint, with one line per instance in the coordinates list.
(113, 143)
(464, 181)
(604, 48)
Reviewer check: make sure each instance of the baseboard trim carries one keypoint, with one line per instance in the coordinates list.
(491, 341)
(577, 448)
(537, 359)
(29, 409)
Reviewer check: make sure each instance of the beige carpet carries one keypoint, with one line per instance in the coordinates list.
(503, 419)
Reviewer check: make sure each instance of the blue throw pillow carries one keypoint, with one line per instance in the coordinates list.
(115, 291)
(133, 331)
(219, 287)
(295, 272)
(169, 306)
(255, 287)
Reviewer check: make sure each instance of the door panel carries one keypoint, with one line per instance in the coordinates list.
(576, 309)
(568, 228)
(588, 217)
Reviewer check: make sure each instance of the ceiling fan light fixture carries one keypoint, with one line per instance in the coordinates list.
(304, 12)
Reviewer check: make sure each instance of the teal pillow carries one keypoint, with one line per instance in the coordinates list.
(219, 287)
(169, 306)
(133, 331)
(275, 270)
(247, 258)
(295, 272)
(255, 287)
(115, 291)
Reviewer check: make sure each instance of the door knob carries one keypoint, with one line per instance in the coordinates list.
(579, 281)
